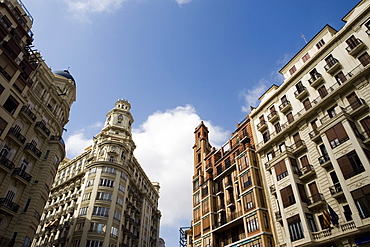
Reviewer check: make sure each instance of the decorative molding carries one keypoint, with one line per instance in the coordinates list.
(359, 183)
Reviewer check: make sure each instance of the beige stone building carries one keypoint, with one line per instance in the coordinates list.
(312, 135)
(103, 196)
(34, 107)
(229, 203)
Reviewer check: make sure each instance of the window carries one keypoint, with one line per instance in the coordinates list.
(295, 228)
(350, 165)
(100, 211)
(248, 200)
(114, 232)
(26, 242)
(307, 104)
(302, 193)
(196, 214)
(86, 196)
(290, 117)
(246, 180)
(90, 183)
(252, 223)
(266, 136)
(205, 206)
(305, 57)
(107, 169)
(1, 89)
(11, 104)
(117, 216)
(354, 101)
(204, 191)
(331, 112)
(311, 222)
(347, 213)
(314, 75)
(364, 59)
(330, 61)
(292, 70)
(92, 170)
(83, 211)
(79, 226)
(196, 198)
(336, 135)
(119, 201)
(206, 224)
(121, 188)
(280, 170)
(106, 183)
(98, 227)
(103, 196)
(322, 91)
(352, 42)
(277, 127)
(300, 88)
(287, 196)
(361, 197)
(94, 243)
(3, 125)
(340, 78)
(320, 44)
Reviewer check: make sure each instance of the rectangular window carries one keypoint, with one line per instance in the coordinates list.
(3, 125)
(86, 196)
(292, 70)
(307, 104)
(305, 57)
(93, 243)
(110, 170)
(119, 201)
(280, 170)
(101, 211)
(336, 135)
(266, 136)
(252, 223)
(340, 78)
(364, 59)
(322, 91)
(246, 180)
(11, 104)
(248, 200)
(320, 44)
(290, 117)
(90, 183)
(295, 228)
(83, 211)
(106, 182)
(196, 198)
(97, 227)
(205, 206)
(103, 196)
(302, 193)
(287, 196)
(277, 127)
(117, 216)
(350, 165)
(114, 232)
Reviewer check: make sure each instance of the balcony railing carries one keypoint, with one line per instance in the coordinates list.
(301, 92)
(7, 163)
(315, 199)
(306, 170)
(335, 189)
(16, 133)
(33, 149)
(278, 216)
(21, 173)
(42, 126)
(315, 79)
(332, 65)
(261, 125)
(285, 106)
(273, 116)
(355, 47)
(5, 202)
(27, 111)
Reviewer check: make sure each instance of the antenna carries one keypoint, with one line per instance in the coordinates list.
(304, 38)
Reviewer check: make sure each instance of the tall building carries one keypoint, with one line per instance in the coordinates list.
(34, 107)
(103, 196)
(229, 206)
(312, 135)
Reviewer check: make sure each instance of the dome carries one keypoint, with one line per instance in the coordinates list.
(66, 74)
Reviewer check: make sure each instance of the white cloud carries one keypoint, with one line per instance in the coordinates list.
(164, 150)
(251, 96)
(78, 141)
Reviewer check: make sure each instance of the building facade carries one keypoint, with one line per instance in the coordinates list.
(34, 107)
(229, 206)
(103, 196)
(312, 136)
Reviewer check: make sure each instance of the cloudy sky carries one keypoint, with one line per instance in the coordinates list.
(178, 62)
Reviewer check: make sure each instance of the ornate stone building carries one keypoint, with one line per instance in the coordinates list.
(229, 205)
(34, 107)
(103, 196)
(312, 136)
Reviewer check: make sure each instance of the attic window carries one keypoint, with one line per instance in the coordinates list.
(320, 44)
(292, 70)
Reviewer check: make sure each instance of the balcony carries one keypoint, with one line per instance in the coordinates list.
(356, 46)
(315, 135)
(356, 108)
(332, 66)
(209, 167)
(30, 148)
(298, 146)
(6, 164)
(9, 206)
(244, 138)
(28, 114)
(273, 116)
(285, 106)
(315, 201)
(306, 172)
(57, 139)
(336, 191)
(40, 126)
(261, 126)
(22, 174)
(301, 93)
(316, 80)
(325, 161)
(365, 137)
(16, 136)
(230, 203)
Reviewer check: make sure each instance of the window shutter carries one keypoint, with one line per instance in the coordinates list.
(357, 194)
(284, 197)
(304, 161)
(206, 223)
(330, 134)
(345, 166)
(302, 193)
(340, 132)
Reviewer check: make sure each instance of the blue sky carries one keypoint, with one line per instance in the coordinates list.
(177, 62)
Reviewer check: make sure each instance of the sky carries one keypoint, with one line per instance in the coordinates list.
(178, 62)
